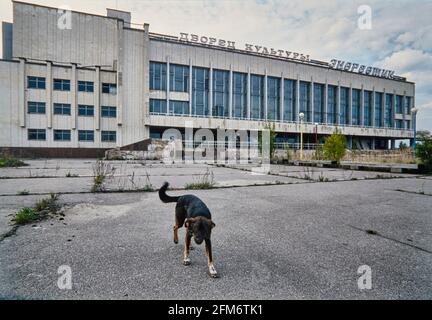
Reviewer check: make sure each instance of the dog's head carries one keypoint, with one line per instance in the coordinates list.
(200, 228)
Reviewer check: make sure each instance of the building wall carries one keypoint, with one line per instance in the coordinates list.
(92, 40)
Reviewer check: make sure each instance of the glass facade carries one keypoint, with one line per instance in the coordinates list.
(158, 76)
(367, 108)
(289, 100)
(158, 106)
(273, 98)
(305, 105)
(388, 112)
(179, 78)
(179, 107)
(331, 104)
(356, 95)
(406, 105)
(257, 97)
(319, 103)
(200, 91)
(221, 93)
(398, 104)
(239, 95)
(378, 109)
(344, 106)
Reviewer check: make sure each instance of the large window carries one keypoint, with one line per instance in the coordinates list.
(200, 91)
(62, 135)
(239, 95)
(109, 112)
(179, 107)
(367, 108)
(86, 135)
(158, 106)
(62, 109)
(399, 124)
(85, 86)
(109, 88)
(257, 97)
(344, 106)
(61, 85)
(36, 83)
(406, 106)
(289, 100)
(158, 76)
(388, 112)
(318, 103)
(36, 134)
(331, 104)
(398, 107)
(273, 98)
(378, 109)
(305, 103)
(220, 93)
(108, 136)
(36, 107)
(356, 95)
(179, 78)
(85, 110)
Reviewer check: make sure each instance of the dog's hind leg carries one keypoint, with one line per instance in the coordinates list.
(180, 216)
(212, 270)
(186, 259)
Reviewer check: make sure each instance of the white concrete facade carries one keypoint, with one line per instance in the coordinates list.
(105, 50)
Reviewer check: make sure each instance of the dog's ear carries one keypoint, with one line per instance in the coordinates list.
(213, 225)
(189, 222)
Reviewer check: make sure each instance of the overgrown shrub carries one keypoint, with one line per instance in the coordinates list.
(335, 147)
(423, 151)
(205, 181)
(101, 172)
(7, 161)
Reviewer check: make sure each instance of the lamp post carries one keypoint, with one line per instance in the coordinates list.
(301, 117)
(414, 113)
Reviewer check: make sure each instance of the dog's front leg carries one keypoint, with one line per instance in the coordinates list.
(186, 259)
(212, 269)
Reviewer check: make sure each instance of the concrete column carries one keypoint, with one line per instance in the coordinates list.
(361, 115)
(168, 85)
(230, 99)
(325, 120)
(248, 99)
(22, 93)
(74, 97)
(312, 104)
(393, 112)
(411, 105)
(282, 97)
(393, 144)
(403, 111)
(297, 97)
(48, 91)
(372, 109)
(265, 96)
(383, 107)
(120, 63)
(338, 95)
(349, 115)
(190, 86)
(373, 144)
(211, 91)
(97, 99)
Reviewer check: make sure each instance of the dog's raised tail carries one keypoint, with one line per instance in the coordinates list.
(164, 197)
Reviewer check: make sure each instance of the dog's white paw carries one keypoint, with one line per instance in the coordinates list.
(186, 261)
(212, 271)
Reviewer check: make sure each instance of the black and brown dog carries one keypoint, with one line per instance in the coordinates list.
(196, 217)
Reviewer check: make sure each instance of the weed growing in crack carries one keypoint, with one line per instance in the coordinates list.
(205, 181)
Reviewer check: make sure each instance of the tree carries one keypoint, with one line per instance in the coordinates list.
(423, 135)
(335, 147)
(423, 151)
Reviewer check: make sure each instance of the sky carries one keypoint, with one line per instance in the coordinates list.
(399, 37)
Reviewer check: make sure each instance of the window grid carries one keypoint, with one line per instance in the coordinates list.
(257, 97)
(61, 85)
(85, 86)
(158, 106)
(62, 135)
(109, 112)
(109, 88)
(36, 134)
(109, 136)
(239, 95)
(273, 98)
(289, 100)
(36, 83)
(179, 78)
(220, 93)
(318, 102)
(179, 107)
(85, 110)
(158, 74)
(62, 109)
(86, 135)
(200, 91)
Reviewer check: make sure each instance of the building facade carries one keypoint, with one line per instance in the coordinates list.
(77, 81)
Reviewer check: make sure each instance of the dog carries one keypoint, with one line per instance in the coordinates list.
(193, 213)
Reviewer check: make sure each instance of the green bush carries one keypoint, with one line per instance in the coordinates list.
(423, 151)
(26, 215)
(335, 147)
(9, 162)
